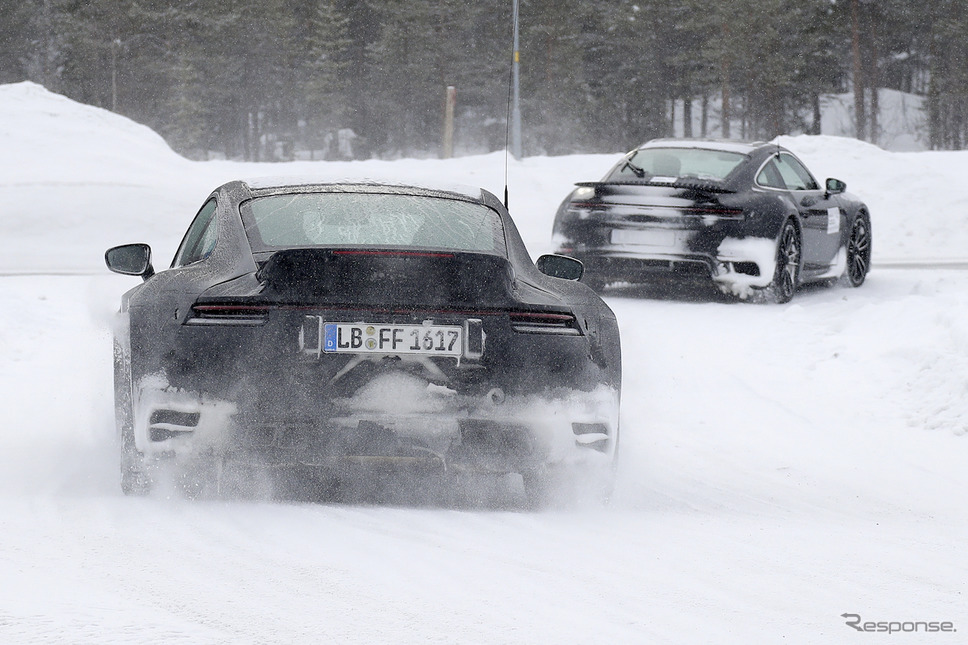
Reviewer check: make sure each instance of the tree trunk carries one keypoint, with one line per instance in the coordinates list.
(671, 128)
(704, 118)
(860, 113)
(934, 102)
(815, 127)
(687, 117)
(874, 81)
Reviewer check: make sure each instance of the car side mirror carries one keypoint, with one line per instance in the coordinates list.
(560, 266)
(130, 259)
(835, 186)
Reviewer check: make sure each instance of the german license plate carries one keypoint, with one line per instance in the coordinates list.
(653, 237)
(364, 338)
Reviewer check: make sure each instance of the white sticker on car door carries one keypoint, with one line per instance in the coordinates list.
(833, 220)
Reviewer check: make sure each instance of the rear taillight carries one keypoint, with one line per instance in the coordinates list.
(526, 322)
(544, 323)
(586, 209)
(228, 314)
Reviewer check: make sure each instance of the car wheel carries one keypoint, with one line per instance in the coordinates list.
(858, 252)
(787, 275)
(135, 479)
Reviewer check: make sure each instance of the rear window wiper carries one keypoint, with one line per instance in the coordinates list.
(639, 172)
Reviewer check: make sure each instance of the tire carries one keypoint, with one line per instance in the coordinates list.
(858, 252)
(537, 489)
(135, 479)
(786, 278)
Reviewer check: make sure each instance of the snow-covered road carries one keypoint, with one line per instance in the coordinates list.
(781, 466)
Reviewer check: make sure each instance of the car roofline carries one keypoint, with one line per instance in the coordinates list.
(724, 145)
(267, 185)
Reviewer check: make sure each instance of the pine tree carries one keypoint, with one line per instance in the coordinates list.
(424, 46)
(323, 73)
(267, 79)
(24, 47)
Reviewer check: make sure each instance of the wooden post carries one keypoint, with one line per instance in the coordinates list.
(449, 104)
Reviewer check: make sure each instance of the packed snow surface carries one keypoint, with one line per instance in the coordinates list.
(781, 465)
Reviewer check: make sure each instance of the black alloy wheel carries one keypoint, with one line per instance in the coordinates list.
(858, 252)
(787, 275)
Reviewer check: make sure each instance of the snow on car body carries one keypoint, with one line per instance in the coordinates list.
(325, 326)
(744, 215)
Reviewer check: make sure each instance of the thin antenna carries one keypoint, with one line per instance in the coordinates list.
(507, 137)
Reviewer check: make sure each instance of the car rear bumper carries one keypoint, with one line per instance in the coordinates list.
(396, 419)
(611, 265)
(734, 264)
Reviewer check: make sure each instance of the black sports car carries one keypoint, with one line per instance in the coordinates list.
(321, 329)
(748, 216)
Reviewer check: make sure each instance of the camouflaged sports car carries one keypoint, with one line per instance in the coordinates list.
(323, 329)
(749, 217)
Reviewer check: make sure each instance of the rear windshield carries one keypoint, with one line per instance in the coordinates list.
(678, 162)
(371, 219)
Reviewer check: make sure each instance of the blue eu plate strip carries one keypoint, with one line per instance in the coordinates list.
(329, 337)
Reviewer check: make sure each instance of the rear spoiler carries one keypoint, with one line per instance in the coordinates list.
(685, 183)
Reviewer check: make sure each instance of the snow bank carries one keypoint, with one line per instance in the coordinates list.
(51, 139)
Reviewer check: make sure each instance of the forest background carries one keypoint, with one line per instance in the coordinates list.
(263, 80)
